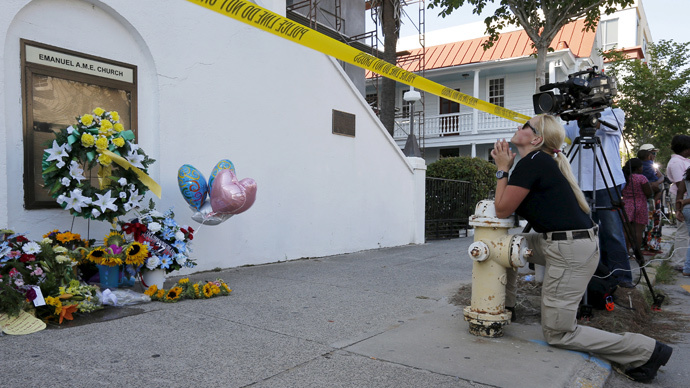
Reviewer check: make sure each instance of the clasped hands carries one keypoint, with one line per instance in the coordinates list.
(502, 155)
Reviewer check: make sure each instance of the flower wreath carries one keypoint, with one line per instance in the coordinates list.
(97, 139)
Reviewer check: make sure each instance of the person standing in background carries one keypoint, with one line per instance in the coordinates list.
(635, 194)
(614, 254)
(675, 169)
(652, 234)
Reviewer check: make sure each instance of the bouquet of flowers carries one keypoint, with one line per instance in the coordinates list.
(115, 251)
(76, 297)
(168, 242)
(186, 290)
(19, 272)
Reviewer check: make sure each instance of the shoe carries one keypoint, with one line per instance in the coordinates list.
(626, 285)
(647, 372)
(513, 316)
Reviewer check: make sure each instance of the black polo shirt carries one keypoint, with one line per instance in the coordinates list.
(550, 204)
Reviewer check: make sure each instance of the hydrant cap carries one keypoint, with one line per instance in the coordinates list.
(485, 215)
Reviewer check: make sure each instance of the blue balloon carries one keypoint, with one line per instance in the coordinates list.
(224, 164)
(192, 185)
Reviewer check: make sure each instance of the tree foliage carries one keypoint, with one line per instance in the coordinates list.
(541, 19)
(481, 173)
(655, 94)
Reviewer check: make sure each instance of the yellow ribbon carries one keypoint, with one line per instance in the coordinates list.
(103, 174)
(255, 16)
(145, 179)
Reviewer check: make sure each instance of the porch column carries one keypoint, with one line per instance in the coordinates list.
(474, 149)
(552, 71)
(475, 112)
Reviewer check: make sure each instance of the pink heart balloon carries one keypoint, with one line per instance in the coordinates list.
(228, 196)
(249, 186)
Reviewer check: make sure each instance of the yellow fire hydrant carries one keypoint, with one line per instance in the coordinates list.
(494, 252)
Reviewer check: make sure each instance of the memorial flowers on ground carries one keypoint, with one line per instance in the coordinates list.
(168, 243)
(186, 290)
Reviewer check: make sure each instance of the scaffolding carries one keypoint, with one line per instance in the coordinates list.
(326, 17)
(413, 63)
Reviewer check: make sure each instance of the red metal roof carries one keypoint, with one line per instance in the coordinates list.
(509, 45)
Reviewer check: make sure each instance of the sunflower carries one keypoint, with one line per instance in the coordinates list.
(66, 237)
(160, 294)
(174, 294)
(208, 291)
(97, 255)
(196, 290)
(151, 291)
(136, 253)
(225, 286)
(111, 261)
(114, 238)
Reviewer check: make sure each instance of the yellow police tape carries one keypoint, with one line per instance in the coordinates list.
(259, 17)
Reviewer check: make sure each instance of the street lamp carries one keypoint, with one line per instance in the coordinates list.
(411, 146)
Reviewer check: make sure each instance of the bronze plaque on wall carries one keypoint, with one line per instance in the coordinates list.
(343, 123)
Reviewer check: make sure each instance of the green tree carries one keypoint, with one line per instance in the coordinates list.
(541, 19)
(655, 94)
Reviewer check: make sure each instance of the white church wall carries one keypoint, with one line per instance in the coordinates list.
(211, 88)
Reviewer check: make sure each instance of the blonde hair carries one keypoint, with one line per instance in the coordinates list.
(553, 136)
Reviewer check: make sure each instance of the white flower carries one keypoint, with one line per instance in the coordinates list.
(76, 201)
(60, 163)
(65, 181)
(31, 248)
(59, 249)
(61, 198)
(76, 172)
(154, 227)
(156, 214)
(58, 152)
(95, 212)
(135, 200)
(122, 181)
(70, 129)
(46, 240)
(62, 259)
(153, 262)
(179, 235)
(180, 259)
(135, 158)
(106, 201)
(122, 195)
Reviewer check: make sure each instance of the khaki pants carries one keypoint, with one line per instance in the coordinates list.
(569, 265)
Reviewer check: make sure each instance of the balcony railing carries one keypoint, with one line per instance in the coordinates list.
(456, 124)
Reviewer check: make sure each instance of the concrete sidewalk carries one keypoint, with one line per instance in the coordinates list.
(378, 318)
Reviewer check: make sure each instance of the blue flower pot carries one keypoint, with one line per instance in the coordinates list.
(110, 276)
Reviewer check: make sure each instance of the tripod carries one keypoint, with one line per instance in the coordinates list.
(588, 140)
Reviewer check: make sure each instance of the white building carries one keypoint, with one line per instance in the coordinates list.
(503, 75)
(205, 87)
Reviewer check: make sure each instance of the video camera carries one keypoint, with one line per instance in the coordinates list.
(584, 94)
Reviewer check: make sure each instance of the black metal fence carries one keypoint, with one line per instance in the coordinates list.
(448, 208)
